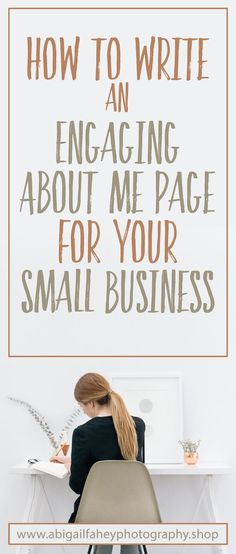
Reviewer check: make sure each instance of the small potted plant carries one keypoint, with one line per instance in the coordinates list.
(190, 451)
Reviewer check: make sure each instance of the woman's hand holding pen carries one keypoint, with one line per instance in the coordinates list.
(61, 459)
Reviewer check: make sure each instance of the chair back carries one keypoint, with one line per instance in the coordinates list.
(118, 491)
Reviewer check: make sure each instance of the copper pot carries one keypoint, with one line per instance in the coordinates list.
(65, 448)
(191, 457)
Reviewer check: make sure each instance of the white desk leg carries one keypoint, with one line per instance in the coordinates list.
(42, 484)
(44, 494)
(208, 491)
(36, 493)
(213, 509)
(196, 510)
(32, 504)
(202, 494)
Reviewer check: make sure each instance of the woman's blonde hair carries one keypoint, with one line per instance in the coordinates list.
(94, 387)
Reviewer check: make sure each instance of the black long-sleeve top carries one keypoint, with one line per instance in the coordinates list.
(96, 440)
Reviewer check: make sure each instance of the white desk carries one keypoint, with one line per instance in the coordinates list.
(207, 470)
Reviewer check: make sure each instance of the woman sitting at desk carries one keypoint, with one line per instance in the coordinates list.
(111, 434)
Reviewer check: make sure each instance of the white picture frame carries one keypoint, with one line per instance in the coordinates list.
(157, 399)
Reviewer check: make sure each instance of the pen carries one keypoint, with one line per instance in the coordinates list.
(61, 447)
(58, 450)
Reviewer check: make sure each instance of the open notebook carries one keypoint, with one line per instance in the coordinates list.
(58, 470)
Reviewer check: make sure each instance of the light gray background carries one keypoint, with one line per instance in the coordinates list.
(197, 109)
